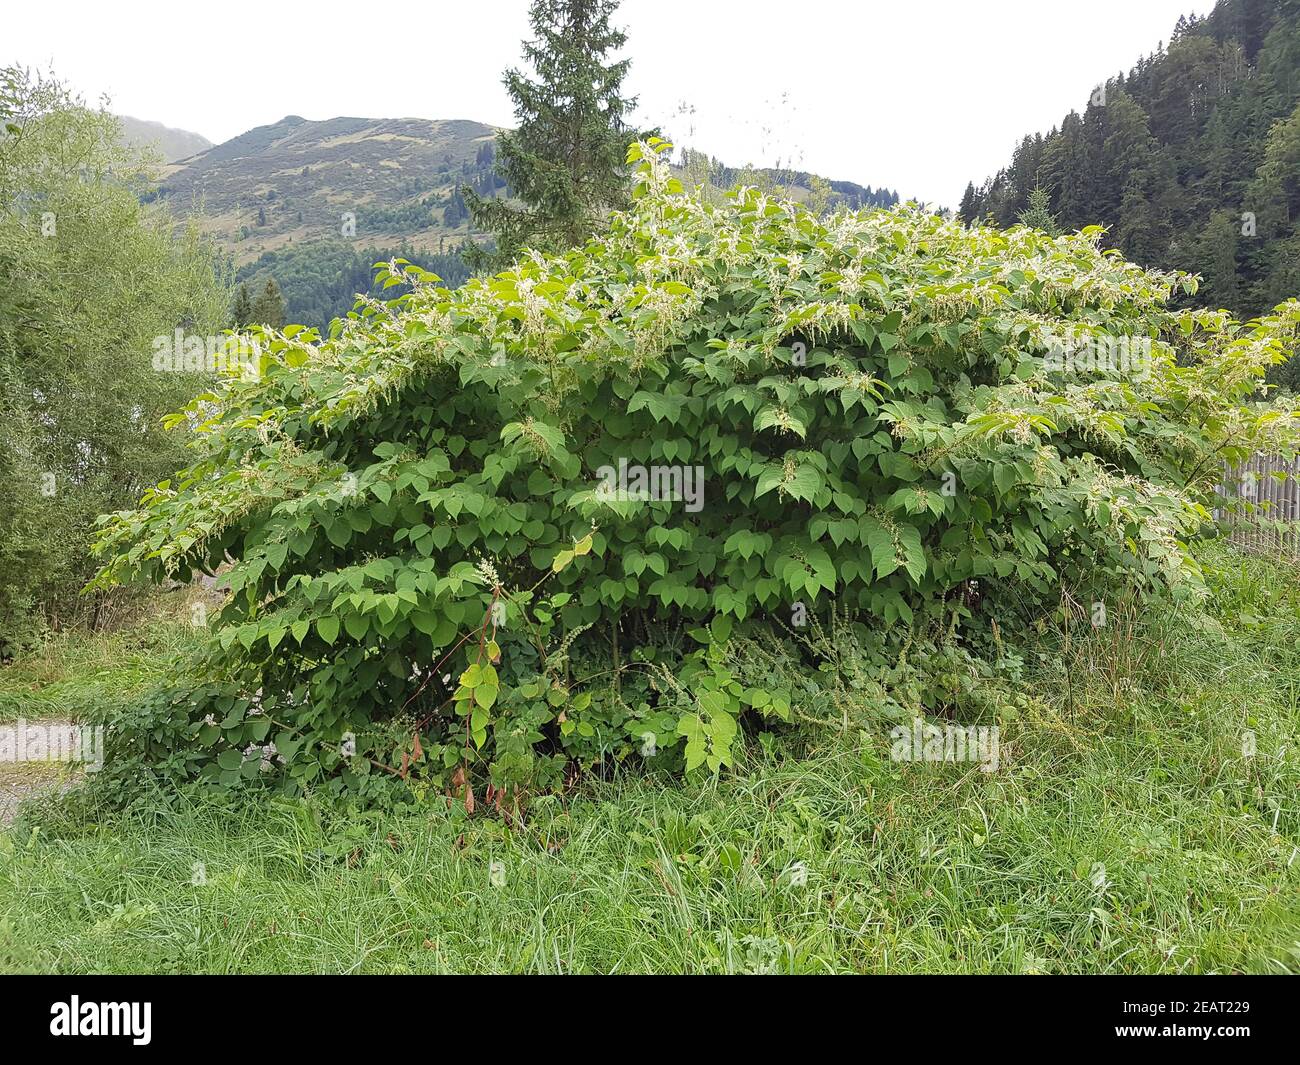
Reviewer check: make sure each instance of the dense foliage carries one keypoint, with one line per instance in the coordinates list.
(1192, 160)
(428, 537)
(88, 280)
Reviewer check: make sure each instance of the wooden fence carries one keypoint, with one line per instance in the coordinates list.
(1262, 515)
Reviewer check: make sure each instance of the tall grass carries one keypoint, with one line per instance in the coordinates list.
(74, 672)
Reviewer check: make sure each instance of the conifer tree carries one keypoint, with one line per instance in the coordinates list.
(268, 308)
(1039, 214)
(565, 161)
(967, 210)
(242, 312)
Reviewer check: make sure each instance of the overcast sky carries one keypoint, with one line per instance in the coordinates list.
(917, 95)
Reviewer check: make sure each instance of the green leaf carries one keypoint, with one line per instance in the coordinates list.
(328, 628)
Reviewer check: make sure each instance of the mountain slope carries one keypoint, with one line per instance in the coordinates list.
(373, 180)
(171, 144)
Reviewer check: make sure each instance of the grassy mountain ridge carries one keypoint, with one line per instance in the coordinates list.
(379, 181)
(297, 180)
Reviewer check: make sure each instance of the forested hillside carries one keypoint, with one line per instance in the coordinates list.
(1192, 159)
(697, 168)
(320, 280)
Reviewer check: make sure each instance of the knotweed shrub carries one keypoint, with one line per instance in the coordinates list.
(448, 514)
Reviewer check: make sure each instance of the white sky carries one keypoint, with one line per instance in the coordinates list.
(917, 95)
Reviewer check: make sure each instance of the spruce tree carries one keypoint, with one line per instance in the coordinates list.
(565, 162)
(268, 308)
(968, 210)
(242, 312)
(1038, 214)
